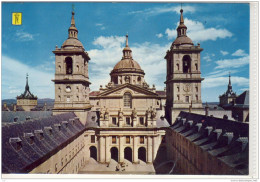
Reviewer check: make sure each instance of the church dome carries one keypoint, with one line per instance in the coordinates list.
(182, 40)
(71, 42)
(127, 63)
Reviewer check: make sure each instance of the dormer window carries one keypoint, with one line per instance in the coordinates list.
(16, 143)
(29, 137)
(48, 130)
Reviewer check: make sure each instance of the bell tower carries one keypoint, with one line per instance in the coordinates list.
(183, 80)
(71, 76)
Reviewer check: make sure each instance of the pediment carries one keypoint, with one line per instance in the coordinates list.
(133, 89)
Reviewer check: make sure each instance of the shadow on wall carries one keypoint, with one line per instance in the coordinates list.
(161, 164)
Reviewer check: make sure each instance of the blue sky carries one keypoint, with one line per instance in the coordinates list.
(221, 29)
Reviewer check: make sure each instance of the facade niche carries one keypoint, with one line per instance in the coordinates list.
(69, 65)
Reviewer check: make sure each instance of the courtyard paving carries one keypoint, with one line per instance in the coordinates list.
(93, 167)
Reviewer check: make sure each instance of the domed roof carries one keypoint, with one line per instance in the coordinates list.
(71, 42)
(182, 40)
(127, 63)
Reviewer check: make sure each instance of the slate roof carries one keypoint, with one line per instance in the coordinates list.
(19, 155)
(94, 93)
(9, 116)
(225, 139)
(161, 93)
(243, 100)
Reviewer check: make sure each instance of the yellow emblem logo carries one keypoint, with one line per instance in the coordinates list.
(17, 18)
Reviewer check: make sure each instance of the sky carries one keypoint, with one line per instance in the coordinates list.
(222, 29)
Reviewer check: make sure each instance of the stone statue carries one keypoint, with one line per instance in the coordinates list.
(120, 114)
(106, 114)
(101, 114)
(134, 113)
(153, 113)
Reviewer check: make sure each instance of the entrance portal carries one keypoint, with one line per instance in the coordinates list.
(114, 153)
(128, 153)
(93, 152)
(142, 154)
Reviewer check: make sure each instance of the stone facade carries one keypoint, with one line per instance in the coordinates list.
(27, 100)
(183, 80)
(71, 76)
(127, 109)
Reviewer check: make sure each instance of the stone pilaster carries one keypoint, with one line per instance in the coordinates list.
(101, 149)
(149, 150)
(135, 152)
(121, 149)
(108, 156)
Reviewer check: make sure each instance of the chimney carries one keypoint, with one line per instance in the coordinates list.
(207, 109)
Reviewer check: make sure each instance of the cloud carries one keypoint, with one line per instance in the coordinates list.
(102, 27)
(110, 52)
(239, 52)
(163, 9)
(211, 82)
(24, 36)
(198, 33)
(207, 57)
(159, 35)
(14, 79)
(232, 63)
(223, 52)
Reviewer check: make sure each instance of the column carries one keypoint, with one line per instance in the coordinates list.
(121, 149)
(135, 147)
(154, 146)
(107, 149)
(149, 150)
(101, 149)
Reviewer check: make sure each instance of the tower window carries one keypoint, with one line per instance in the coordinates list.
(178, 97)
(93, 139)
(186, 64)
(197, 98)
(187, 99)
(178, 88)
(196, 67)
(196, 89)
(68, 62)
(127, 100)
(178, 66)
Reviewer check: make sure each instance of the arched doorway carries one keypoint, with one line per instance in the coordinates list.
(128, 154)
(93, 152)
(142, 154)
(114, 153)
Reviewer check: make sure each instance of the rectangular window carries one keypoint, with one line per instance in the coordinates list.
(128, 121)
(114, 139)
(197, 89)
(127, 139)
(93, 139)
(187, 99)
(141, 139)
(141, 120)
(114, 121)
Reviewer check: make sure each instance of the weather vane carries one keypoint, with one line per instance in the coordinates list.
(73, 7)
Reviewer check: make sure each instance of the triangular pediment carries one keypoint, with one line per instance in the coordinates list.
(133, 89)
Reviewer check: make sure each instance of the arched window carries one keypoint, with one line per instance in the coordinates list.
(68, 62)
(186, 64)
(196, 66)
(178, 66)
(127, 100)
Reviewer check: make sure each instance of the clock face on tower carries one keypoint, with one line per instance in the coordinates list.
(68, 89)
(186, 87)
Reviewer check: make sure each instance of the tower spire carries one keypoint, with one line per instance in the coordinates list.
(181, 30)
(229, 83)
(27, 85)
(126, 42)
(127, 52)
(73, 32)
